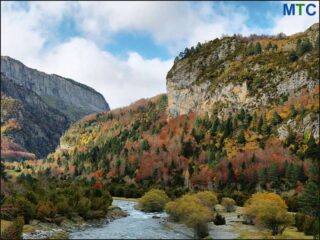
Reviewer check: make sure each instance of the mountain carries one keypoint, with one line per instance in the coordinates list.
(68, 96)
(240, 113)
(36, 108)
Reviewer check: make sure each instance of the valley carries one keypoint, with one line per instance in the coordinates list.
(231, 150)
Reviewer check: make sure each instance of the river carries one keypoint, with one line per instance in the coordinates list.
(138, 225)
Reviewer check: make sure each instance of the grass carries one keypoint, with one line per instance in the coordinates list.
(4, 225)
(252, 232)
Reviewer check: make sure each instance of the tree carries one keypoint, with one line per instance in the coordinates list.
(250, 49)
(145, 145)
(3, 173)
(274, 174)
(153, 201)
(293, 111)
(260, 124)
(276, 119)
(214, 126)
(303, 46)
(293, 56)
(263, 176)
(268, 209)
(309, 200)
(241, 138)
(269, 46)
(313, 150)
(257, 48)
(187, 149)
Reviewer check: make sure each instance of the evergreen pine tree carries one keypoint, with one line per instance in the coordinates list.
(263, 176)
(276, 119)
(274, 174)
(257, 48)
(241, 138)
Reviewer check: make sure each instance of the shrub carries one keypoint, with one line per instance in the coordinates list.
(14, 231)
(63, 206)
(189, 209)
(83, 206)
(219, 220)
(309, 225)
(45, 209)
(207, 198)
(299, 221)
(26, 209)
(229, 204)
(268, 209)
(153, 201)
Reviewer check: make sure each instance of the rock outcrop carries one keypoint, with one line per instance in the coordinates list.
(69, 97)
(36, 108)
(221, 76)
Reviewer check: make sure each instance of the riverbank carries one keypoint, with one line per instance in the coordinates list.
(42, 230)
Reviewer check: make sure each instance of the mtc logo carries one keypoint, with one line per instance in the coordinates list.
(290, 9)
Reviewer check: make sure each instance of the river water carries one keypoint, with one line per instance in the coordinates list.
(138, 225)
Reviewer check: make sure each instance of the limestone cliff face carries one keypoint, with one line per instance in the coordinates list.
(28, 124)
(70, 97)
(36, 108)
(221, 76)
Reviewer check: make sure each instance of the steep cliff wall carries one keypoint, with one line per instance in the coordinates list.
(224, 76)
(72, 98)
(27, 122)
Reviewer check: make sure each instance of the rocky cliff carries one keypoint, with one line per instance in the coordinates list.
(28, 125)
(69, 97)
(36, 108)
(224, 75)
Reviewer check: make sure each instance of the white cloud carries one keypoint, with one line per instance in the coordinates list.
(295, 23)
(26, 32)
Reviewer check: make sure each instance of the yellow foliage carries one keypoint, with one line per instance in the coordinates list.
(207, 198)
(260, 196)
(153, 201)
(269, 209)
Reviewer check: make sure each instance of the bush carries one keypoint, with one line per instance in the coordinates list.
(153, 201)
(219, 220)
(309, 225)
(63, 207)
(229, 204)
(83, 206)
(189, 209)
(45, 209)
(207, 198)
(14, 231)
(299, 221)
(268, 209)
(26, 209)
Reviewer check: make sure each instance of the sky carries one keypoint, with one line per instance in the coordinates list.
(125, 49)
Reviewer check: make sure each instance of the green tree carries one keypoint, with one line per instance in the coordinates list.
(303, 46)
(257, 48)
(274, 173)
(145, 145)
(309, 200)
(263, 176)
(3, 173)
(293, 111)
(293, 56)
(276, 119)
(241, 138)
